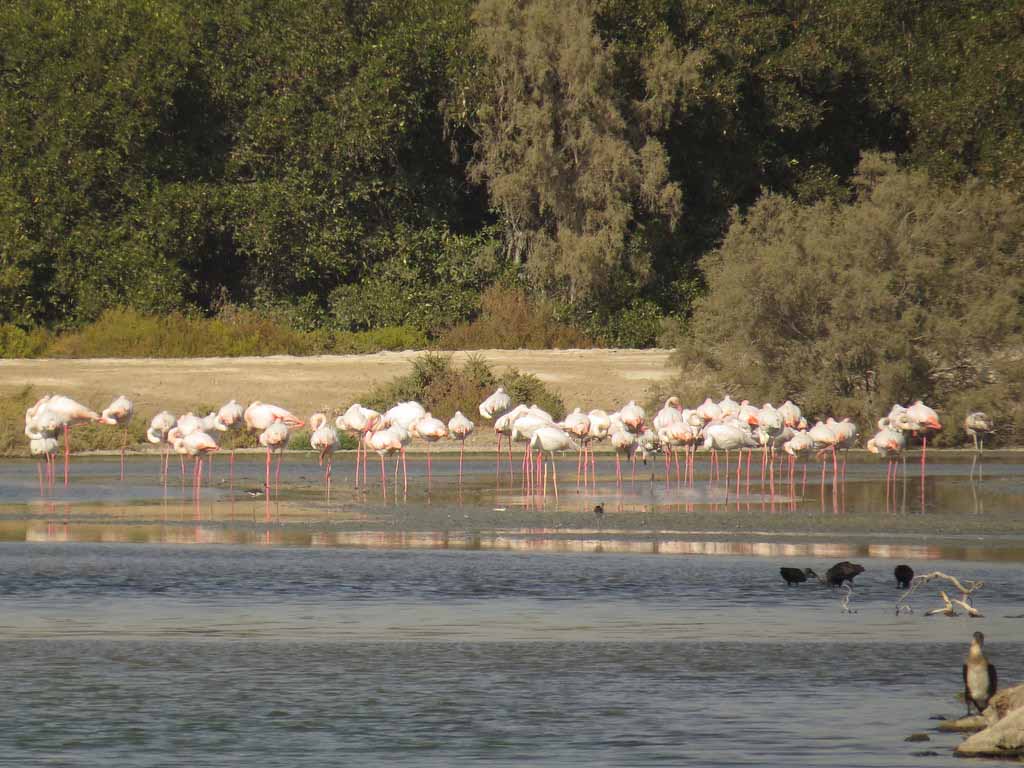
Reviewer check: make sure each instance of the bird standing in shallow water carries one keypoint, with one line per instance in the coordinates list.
(840, 572)
(796, 576)
(979, 676)
(904, 575)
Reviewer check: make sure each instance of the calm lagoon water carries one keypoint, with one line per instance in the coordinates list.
(139, 626)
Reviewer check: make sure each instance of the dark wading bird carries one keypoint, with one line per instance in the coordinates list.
(979, 676)
(904, 575)
(796, 576)
(841, 572)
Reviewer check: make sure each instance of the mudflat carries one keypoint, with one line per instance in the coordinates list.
(587, 377)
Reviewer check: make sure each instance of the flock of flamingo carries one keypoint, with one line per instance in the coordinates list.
(726, 426)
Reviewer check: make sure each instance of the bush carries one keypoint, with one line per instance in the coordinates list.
(913, 290)
(634, 327)
(443, 389)
(509, 320)
(377, 340)
(16, 342)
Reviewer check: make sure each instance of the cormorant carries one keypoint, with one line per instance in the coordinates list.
(979, 676)
(599, 509)
(904, 575)
(796, 576)
(840, 572)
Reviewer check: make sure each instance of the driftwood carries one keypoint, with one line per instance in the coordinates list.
(965, 601)
(844, 601)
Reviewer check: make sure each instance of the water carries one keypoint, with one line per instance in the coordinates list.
(482, 626)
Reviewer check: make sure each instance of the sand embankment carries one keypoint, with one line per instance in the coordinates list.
(586, 377)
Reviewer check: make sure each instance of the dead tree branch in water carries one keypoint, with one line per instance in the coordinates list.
(965, 601)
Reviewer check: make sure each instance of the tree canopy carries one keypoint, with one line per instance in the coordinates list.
(374, 163)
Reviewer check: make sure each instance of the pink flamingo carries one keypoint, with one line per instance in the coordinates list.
(459, 428)
(358, 421)
(159, 427)
(274, 438)
(926, 422)
(386, 442)
(577, 424)
(624, 443)
(888, 443)
(58, 411)
(493, 408)
(120, 413)
(324, 440)
(45, 447)
(549, 439)
(430, 430)
(197, 445)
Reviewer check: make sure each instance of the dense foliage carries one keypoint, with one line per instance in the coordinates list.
(913, 290)
(339, 168)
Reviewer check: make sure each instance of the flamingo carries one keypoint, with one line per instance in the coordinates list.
(624, 443)
(709, 411)
(728, 407)
(259, 416)
(503, 426)
(632, 416)
(231, 416)
(493, 408)
(770, 424)
(800, 445)
(791, 415)
(430, 430)
(978, 424)
(358, 421)
(846, 437)
(577, 424)
(274, 438)
(825, 440)
(59, 411)
(600, 424)
(117, 413)
(198, 444)
(727, 437)
(46, 447)
(522, 431)
(548, 439)
(386, 442)
(459, 428)
(888, 443)
(324, 440)
(159, 426)
(926, 421)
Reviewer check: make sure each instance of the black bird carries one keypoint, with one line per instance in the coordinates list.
(796, 576)
(979, 676)
(840, 572)
(904, 575)
(599, 509)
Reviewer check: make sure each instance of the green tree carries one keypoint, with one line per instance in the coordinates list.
(912, 290)
(571, 173)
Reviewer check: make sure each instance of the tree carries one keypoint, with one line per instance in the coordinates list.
(572, 174)
(914, 289)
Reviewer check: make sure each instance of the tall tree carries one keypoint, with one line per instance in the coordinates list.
(569, 165)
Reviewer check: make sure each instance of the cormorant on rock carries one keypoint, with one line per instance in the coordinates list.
(904, 575)
(796, 576)
(979, 676)
(840, 572)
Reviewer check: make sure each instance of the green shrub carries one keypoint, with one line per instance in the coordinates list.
(913, 290)
(634, 327)
(393, 339)
(17, 342)
(510, 320)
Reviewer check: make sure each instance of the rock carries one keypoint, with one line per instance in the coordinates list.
(1004, 739)
(918, 737)
(1004, 702)
(964, 724)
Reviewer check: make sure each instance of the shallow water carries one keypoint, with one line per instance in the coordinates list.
(483, 625)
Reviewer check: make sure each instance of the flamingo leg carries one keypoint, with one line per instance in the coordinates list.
(383, 476)
(277, 474)
(462, 450)
(266, 484)
(67, 452)
(405, 473)
(554, 474)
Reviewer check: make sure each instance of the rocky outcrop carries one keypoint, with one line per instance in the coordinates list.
(1004, 736)
(1004, 739)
